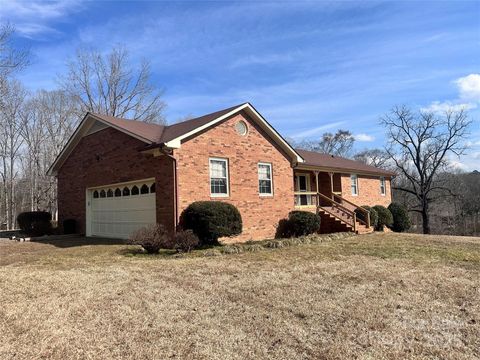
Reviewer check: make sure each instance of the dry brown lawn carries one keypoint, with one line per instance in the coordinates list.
(379, 296)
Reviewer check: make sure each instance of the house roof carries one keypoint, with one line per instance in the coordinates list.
(154, 135)
(150, 132)
(332, 162)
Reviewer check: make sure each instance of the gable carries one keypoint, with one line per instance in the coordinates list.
(154, 135)
(175, 142)
(93, 123)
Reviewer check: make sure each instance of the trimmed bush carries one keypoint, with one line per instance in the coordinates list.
(401, 221)
(385, 217)
(373, 215)
(152, 238)
(69, 226)
(40, 228)
(33, 222)
(299, 223)
(211, 220)
(186, 241)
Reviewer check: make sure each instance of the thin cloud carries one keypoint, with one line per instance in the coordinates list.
(442, 107)
(469, 87)
(364, 137)
(468, 96)
(34, 17)
(317, 130)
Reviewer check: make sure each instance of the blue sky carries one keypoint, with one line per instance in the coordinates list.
(308, 67)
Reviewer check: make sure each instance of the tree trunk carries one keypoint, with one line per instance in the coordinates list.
(425, 218)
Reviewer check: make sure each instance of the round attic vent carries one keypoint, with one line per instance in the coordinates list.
(241, 128)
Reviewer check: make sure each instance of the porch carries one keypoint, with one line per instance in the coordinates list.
(321, 192)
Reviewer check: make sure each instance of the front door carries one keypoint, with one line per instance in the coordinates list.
(303, 185)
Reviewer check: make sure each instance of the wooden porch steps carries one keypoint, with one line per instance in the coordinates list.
(336, 220)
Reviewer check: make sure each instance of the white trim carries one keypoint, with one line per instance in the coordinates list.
(384, 187)
(270, 194)
(307, 181)
(176, 143)
(356, 185)
(148, 180)
(82, 130)
(227, 177)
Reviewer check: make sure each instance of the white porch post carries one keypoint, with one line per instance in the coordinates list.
(331, 184)
(317, 189)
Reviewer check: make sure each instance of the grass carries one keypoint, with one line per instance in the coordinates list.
(378, 296)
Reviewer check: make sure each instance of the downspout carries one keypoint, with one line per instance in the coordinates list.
(175, 186)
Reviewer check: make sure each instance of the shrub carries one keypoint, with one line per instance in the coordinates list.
(385, 217)
(40, 228)
(373, 215)
(401, 221)
(185, 241)
(152, 238)
(69, 226)
(299, 223)
(211, 220)
(26, 221)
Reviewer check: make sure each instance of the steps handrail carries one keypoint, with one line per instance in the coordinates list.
(337, 204)
(336, 216)
(365, 211)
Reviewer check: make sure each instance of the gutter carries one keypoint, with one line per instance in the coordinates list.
(161, 147)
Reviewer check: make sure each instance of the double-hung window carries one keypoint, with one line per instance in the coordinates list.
(382, 185)
(265, 179)
(354, 184)
(218, 177)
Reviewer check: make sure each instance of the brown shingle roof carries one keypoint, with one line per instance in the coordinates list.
(150, 132)
(161, 134)
(335, 162)
(175, 130)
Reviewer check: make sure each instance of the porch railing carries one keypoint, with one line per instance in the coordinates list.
(338, 209)
(365, 212)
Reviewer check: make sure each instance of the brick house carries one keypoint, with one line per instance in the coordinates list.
(116, 175)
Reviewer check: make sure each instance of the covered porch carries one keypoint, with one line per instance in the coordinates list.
(321, 192)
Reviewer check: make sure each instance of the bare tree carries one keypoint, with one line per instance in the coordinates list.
(12, 58)
(419, 146)
(340, 143)
(13, 98)
(108, 84)
(374, 157)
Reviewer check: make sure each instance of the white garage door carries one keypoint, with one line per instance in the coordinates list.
(118, 210)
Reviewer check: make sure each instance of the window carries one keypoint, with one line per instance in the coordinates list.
(241, 128)
(126, 191)
(95, 194)
(354, 184)
(110, 193)
(152, 188)
(218, 177)
(135, 190)
(382, 185)
(144, 189)
(118, 192)
(103, 194)
(265, 179)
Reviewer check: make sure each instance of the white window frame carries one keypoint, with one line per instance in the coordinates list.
(227, 178)
(271, 178)
(354, 176)
(383, 186)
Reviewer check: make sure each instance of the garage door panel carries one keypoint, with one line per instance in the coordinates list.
(119, 216)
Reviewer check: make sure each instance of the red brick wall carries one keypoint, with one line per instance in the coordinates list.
(260, 214)
(368, 190)
(118, 161)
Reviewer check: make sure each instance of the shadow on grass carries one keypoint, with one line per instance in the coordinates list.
(67, 242)
(138, 251)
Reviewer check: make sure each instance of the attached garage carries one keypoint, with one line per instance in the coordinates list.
(117, 210)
